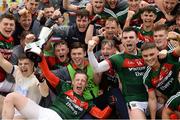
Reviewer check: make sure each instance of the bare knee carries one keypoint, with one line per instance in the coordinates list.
(11, 98)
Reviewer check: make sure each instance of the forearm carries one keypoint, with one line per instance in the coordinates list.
(6, 65)
(43, 88)
(98, 67)
(53, 80)
(68, 6)
(152, 107)
(89, 33)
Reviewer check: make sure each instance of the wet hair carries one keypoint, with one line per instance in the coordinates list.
(160, 27)
(82, 13)
(76, 45)
(148, 45)
(113, 19)
(149, 9)
(8, 16)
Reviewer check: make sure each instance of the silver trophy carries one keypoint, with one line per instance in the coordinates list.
(33, 50)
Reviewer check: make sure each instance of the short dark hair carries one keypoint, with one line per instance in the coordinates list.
(24, 34)
(160, 27)
(149, 8)
(76, 45)
(128, 29)
(113, 19)
(8, 16)
(23, 56)
(82, 13)
(148, 45)
(80, 71)
(60, 42)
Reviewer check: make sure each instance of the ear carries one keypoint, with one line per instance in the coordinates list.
(84, 53)
(155, 16)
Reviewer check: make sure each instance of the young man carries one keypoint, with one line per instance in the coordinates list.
(26, 82)
(145, 31)
(110, 84)
(111, 31)
(75, 32)
(69, 104)
(61, 56)
(161, 75)
(130, 68)
(160, 38)
(78, 61)
(7, 27)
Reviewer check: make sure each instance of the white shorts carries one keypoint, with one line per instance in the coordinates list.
(33, 111)
(138, 105)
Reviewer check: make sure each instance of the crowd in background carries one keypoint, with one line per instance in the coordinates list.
(113, 59)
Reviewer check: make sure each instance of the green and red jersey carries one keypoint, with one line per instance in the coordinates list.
(6, 46)
(145, 36)
(174, 102)
(130, 69)
(69, 102)
(165, 78)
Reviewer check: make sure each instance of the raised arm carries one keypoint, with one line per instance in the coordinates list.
(69, 6)
(98, 67)
(6, 65)
(53, 80)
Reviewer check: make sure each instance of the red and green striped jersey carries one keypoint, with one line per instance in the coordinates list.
(165, 78)
(130, 69)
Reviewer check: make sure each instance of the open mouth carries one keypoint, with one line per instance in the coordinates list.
(79, 88)
(8, 31)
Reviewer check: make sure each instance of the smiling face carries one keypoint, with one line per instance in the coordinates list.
(134, 4)
(25, 21)
(148, 18)
(79, 83)
(112, 3)
(169, 5)
(129, 41)
(98, 6)
(48, 12)
(61, 52)
(7, 27)
(82, 23)
(77, 56)
(26, 66)
(160, 39)
(150, 56)
(32, 6)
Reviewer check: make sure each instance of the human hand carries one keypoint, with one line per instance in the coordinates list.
(56, 14)
(40, 14)
(91, 45)
(112, 101)
(23, 11)
(162, 54)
